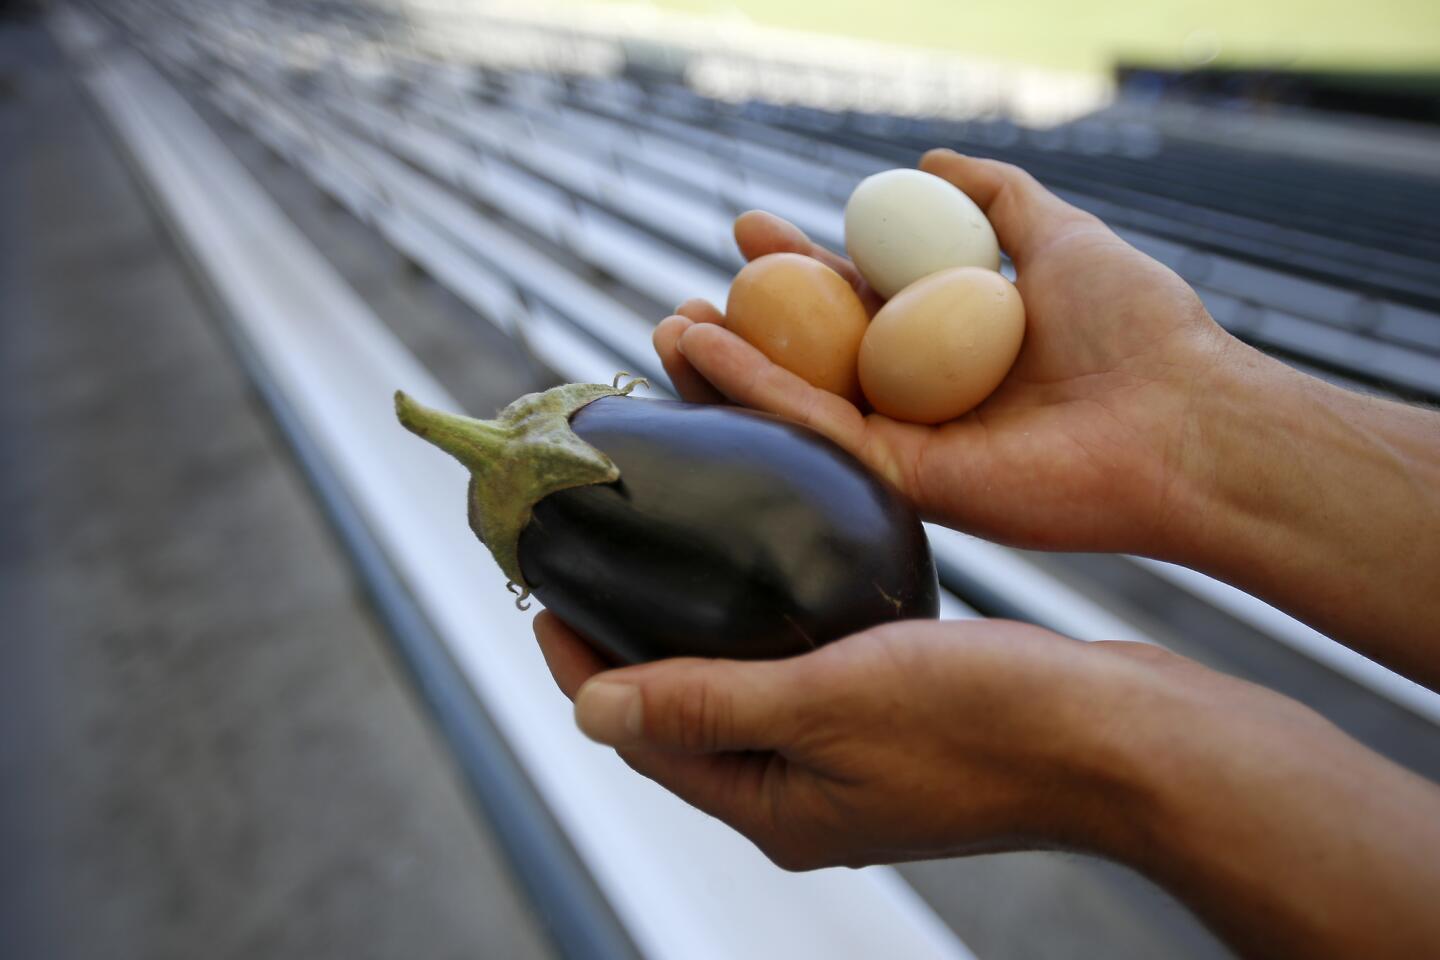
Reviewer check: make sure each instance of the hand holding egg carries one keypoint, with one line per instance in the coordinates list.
(1093, 304)
(949, 333)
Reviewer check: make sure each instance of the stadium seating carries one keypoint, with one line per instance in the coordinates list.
(572, 212)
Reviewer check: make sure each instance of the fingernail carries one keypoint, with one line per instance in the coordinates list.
(609, 713)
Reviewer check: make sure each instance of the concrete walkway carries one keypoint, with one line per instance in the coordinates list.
(204, 747)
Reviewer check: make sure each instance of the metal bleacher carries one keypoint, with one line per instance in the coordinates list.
(572, 212)
(1323, 265)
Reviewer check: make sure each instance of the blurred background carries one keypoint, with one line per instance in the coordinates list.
(261, 695)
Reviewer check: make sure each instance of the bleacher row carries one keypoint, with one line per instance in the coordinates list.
(1367, 229)
(1329, 266)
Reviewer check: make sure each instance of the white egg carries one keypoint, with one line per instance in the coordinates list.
(901, 225)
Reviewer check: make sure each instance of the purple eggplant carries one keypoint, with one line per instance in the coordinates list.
(659, 529)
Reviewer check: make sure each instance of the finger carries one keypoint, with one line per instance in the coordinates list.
(688, 384)
(1022, 211)
(692, 706)
(747, 377)
(700, 311)
(571, 660)
(759, 233)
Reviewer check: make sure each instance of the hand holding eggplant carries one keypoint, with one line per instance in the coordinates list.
(908, 741)
(1086, 444)
(919, 740)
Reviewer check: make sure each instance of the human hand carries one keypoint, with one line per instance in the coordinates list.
(917, 739)
(920, 739)
(1088, 443)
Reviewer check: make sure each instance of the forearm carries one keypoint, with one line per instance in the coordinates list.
(1322, 501)
(1287, 837)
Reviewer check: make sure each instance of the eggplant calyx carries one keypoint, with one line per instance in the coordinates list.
(516, 460)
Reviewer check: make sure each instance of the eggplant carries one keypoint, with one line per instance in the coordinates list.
(657, 528)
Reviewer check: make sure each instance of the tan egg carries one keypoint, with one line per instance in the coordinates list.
(803, 316)
(941, 345)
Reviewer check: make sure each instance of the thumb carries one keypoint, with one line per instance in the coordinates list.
(1023, 213)
(695, 706)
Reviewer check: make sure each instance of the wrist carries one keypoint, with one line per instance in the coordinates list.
(1164, 738)
(1319, 500)
(1196, 762)
(1286, 836)
(1194, 416)
(1139, 713)
(1242, 435)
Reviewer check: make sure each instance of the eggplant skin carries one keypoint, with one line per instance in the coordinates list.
(730, 533)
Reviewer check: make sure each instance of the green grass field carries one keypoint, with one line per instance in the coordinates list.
(1090, 35)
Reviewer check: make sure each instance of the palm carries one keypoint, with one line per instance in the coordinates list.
(1089, 413)
(1090, 418)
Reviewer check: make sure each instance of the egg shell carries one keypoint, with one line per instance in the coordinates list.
(803, 316)
(942, 345)
(902, 225)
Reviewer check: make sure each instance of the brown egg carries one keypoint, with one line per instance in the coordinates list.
(803, 316)
(941, 345)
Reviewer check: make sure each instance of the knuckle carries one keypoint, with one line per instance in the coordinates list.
(812, 411)
(1017, 175)
(702, 717)
(875, 450)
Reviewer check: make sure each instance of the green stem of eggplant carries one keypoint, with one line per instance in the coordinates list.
(522, 456)
(478, 444)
